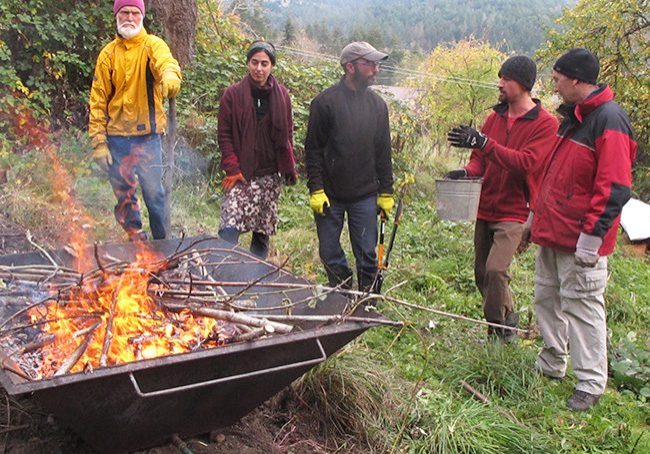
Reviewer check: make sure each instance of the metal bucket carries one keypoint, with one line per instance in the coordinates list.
(457, 200)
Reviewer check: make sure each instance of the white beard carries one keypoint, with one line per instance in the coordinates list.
(128, 32)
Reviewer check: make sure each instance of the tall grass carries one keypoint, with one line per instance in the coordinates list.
(365, 395)
(353, 395)
(447, 424)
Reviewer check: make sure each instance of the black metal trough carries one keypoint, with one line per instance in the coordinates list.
(141, 404)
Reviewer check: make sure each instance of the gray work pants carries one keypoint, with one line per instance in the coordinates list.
(570, 309)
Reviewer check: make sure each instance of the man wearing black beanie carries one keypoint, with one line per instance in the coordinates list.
(509, 154)
(585, 185)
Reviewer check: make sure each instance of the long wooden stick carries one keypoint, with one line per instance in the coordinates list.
(28, 235)
(469, 388)
(108, 336)
(12, 366)
(253, 334)
(259, 279)
(234, 317)
(330, 319)
(450, 315)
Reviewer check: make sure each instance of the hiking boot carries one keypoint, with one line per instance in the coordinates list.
(582, 400)
(137, 236)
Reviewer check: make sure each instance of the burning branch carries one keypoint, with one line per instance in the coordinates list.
(151, 307)
(109, 325)
(72, 360)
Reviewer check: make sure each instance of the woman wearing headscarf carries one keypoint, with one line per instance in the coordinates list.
(255, 135)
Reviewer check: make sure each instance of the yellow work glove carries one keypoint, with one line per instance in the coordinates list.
(171, 84)
(318, 201)
(102, 156)
(386, 202)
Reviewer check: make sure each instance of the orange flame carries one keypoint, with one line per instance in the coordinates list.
(139, 329)
(127, 321)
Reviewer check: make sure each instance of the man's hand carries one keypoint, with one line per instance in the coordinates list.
(230, 181)
(385, 202)
(586, 254)
(171, 84)
(456, 174)
(525, 234)
(102, 156)
(318, 200)
(290, 178)
(466, 137)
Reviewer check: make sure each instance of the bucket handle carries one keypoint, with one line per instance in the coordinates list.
(163, 392)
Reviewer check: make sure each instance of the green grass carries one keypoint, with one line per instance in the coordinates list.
(402, 386)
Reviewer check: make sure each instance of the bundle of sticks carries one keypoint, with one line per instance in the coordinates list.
(180, 287)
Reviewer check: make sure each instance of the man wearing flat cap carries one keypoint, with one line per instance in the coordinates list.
(349, 168)
(133, 74)
(509, 154)
(585, 185)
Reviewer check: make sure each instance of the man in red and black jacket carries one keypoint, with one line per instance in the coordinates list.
(509, 154)
(585, 185)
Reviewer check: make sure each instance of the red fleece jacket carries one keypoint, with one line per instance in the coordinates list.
(511, 162)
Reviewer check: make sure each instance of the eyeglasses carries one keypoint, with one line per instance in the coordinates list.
(372, 64)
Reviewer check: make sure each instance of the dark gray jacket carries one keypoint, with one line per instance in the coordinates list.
(347, 148)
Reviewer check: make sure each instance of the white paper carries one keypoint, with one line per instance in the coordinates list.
(635, 219)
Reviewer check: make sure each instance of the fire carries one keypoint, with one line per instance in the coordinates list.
(131, 325)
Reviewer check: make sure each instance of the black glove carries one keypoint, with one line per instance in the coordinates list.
(456, 174)
(466, 137)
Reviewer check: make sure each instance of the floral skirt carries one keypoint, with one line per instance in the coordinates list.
(252, 206)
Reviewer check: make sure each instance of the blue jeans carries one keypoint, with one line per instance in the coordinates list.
(259, 242)
(362, 225)
(138, 159)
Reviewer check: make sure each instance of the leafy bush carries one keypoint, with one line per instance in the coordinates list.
(461, 86)
(48, 51)
(630, 366)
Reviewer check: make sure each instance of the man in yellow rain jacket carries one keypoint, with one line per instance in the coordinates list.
(134, 72)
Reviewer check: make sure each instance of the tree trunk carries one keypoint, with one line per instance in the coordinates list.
(178, 19)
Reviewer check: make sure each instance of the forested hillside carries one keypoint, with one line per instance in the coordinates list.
(512, 25)
(437, 384)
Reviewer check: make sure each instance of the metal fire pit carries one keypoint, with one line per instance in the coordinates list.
(141, 404)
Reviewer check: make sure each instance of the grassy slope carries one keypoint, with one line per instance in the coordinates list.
(432, 413)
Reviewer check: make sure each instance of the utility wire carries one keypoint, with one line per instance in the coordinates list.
(395, 70)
